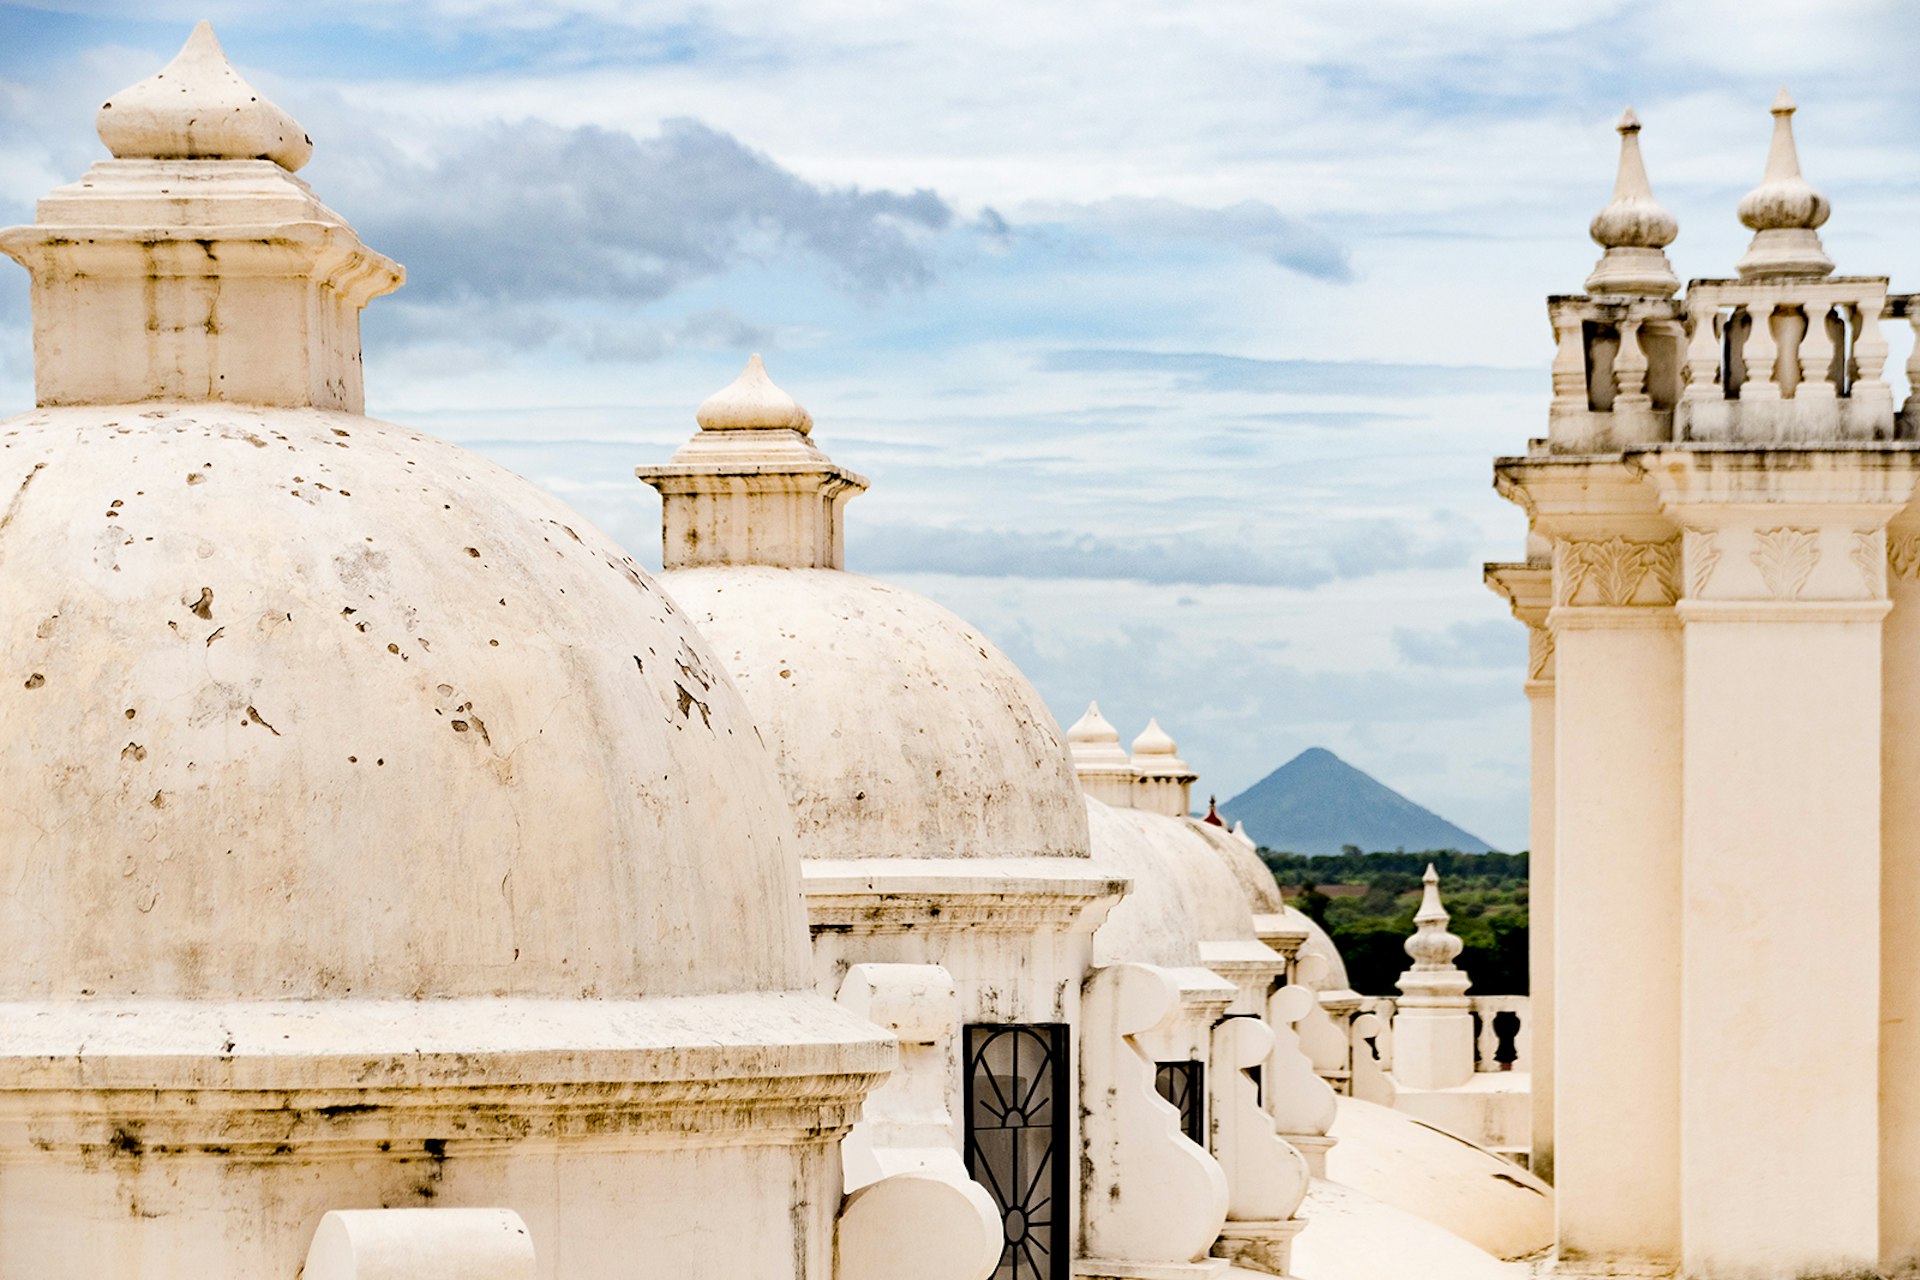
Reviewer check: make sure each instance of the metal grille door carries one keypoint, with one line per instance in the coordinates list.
(1017, 1107)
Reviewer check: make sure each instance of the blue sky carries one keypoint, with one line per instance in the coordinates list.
(1176, 339)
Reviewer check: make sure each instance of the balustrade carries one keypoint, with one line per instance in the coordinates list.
(1503, 1038)
(1771, 359)
(1788, 360)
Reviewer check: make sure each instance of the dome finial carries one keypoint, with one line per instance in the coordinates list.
(1093, 727)
(1784, 211)
(1153, 741)
(1432, 948)
(1633, 228)
(197, 107)
(751, 402)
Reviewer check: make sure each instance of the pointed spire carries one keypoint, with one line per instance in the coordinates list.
(1431, 946)
(751, 402)
(197, 107)
(1240, 834)
(1433, 980)
(1633, 229)
(1213, 818)
(1784, 211)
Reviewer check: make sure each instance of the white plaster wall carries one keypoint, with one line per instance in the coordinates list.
(597, 1210)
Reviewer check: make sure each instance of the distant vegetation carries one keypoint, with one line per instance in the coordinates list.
(1366, 901)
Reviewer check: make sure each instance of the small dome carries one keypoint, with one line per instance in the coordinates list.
(303, 705)
(898, 729)
(1252, 876)
(1183, 894)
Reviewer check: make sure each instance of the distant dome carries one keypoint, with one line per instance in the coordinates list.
(1182, 896)
(1253, 876)
(899, 730)
(303, 705)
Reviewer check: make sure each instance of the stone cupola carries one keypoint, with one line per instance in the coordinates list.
(1162, 781)
(1101, 763)
(198, 267)
(751, 488)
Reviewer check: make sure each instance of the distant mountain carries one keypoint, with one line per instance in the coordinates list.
(1317, 802)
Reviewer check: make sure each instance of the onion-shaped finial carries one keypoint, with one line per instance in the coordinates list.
(1784, 211)
(197, 107)
(1633, 228)
(751, 402)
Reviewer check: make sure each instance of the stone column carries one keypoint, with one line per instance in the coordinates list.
(1528, 588)
(1785, 570)
(1616, 856)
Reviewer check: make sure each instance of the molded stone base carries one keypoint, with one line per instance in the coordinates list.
(1314, 1148)
(1259, 1246)
(1595, 1269)
(1113, 1269)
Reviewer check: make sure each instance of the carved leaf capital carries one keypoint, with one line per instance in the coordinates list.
(1785, 558)
(1616, 571)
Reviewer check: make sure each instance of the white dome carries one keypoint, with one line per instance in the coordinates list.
(1253, 876)
(1182, 894)
(899, 731)
(300, 705)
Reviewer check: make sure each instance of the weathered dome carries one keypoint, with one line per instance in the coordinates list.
(299, 704)
(899, 730)
(1183, 894)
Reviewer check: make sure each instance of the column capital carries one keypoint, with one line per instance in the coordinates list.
(1527, 588)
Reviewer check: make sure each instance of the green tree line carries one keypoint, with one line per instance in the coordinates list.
(1486, 894)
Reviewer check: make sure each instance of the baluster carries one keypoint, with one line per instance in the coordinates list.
(1486, 1040)
(1702, 368)
(1869, 350)
(1816, 356)
(1569, 363)
(1760, 354)
(1912, 408)
(1630, 371)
